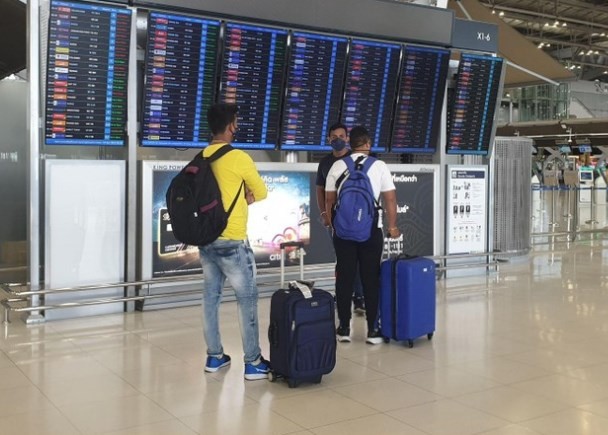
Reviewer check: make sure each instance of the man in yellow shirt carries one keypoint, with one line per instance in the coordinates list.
(230, 256)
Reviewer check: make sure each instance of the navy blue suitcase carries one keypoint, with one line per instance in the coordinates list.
(407, 298)
(302, 334)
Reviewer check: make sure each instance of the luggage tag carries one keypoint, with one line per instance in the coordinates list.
(304, 286)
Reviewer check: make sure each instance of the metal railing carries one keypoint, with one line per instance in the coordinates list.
(20, 297)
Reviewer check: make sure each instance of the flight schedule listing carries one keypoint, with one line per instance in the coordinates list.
(315, 79)
(86, 86)
(371, 82)
(253, 70)
(474, 104)
(181, 66)
(421, 90)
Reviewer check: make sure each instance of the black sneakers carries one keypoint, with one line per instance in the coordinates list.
(358, 305)
(374, 337)
(343, 334)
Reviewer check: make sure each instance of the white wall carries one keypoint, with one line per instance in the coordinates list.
(13, 147)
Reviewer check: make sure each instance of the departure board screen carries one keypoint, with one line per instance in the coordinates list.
(420, 101)
(181, 66)
(371, 82)
(86, 86)
(253, 70)
(475, 97)
(315, 77)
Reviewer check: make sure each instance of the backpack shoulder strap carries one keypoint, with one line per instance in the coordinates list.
(367, 164)
(358, 164)
(236, 197)
(350, 167)
(219, 153)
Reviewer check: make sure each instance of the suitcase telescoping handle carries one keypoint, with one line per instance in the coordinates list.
(300, 246)
(398, 254)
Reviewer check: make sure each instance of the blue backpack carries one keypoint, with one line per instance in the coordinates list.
(356, 209)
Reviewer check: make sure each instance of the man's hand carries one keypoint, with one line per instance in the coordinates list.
(325, 219)
(249, 197)
(394, 233)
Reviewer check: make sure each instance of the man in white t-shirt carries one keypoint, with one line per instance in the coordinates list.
(365, 254)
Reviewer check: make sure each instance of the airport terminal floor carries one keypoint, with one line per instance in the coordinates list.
(521, 352)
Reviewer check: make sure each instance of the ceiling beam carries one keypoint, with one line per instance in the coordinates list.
(591, 26)
(571, 28)
(553, 4)
(593, 47)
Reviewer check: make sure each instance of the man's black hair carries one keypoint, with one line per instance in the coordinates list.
(220, 116)
(359, 137)
(336, 126)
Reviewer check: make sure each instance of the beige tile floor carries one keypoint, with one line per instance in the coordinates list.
(523, 352)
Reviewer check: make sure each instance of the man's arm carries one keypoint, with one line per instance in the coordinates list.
(389, 199)
(330, 200)
(321, 205)
(255, 187)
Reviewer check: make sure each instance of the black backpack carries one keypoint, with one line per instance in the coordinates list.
(194, 202)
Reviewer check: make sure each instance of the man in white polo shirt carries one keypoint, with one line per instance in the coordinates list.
(366, 254)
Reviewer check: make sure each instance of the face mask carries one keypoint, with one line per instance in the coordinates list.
(235, 134)
(338, 144)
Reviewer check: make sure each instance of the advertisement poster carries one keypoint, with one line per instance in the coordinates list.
(289, 213)
(169, 256)
(415, 214)
(466, 226)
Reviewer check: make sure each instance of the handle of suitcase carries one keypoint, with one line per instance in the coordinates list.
(300, 246)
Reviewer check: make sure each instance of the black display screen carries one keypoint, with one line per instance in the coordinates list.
(315, 79)
(371, 81)
(86, 81)
(180, 80)
(253, 70)
(420, 101)
(474, 104)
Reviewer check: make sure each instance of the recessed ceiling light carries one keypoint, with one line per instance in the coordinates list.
(501, 14)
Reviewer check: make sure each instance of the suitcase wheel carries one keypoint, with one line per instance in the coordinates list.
(386, 339)
(292, 383)
(272, 377)
(410, 343)
(318, 380)
(429, 336)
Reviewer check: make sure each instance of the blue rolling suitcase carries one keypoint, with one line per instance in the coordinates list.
(407, 298)
(302, 331)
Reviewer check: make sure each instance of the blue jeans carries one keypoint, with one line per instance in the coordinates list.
(234, 260)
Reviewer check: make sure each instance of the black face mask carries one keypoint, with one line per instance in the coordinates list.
(235, 134)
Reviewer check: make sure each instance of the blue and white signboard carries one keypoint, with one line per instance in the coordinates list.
(467, 209)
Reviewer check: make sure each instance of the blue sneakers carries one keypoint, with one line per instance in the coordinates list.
(253, 372)
(214, 363)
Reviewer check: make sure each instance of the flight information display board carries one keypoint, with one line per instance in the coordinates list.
(421, 90)
(474, 104)
(180, 80)
(86, 81)
(371, 82)
(315, 77)
(253, 70)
